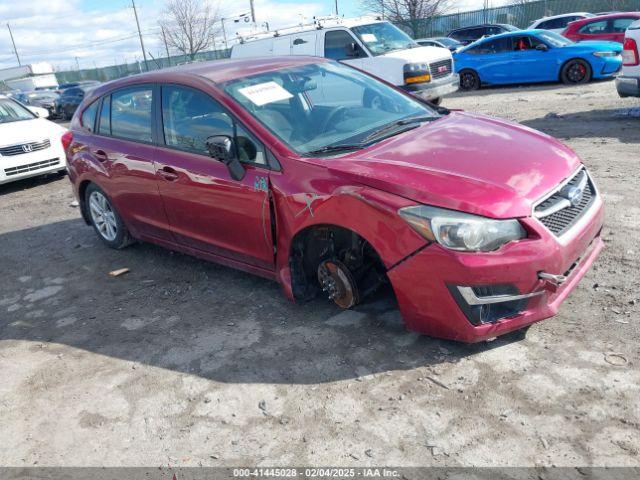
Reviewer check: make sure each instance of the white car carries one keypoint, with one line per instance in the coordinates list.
(558, 23)
(367, 43)
(30, 145)
(628, 82)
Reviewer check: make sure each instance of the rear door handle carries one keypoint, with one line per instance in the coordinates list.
(168, 173)
(101, 155)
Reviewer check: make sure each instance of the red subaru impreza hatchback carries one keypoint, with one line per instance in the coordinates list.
(325, 179)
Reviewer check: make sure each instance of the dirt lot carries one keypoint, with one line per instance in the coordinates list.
(183, 363)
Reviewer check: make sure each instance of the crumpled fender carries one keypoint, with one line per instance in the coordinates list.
(370, 213)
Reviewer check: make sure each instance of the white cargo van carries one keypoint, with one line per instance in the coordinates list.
(370, 44)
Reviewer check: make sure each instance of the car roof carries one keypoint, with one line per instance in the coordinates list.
(517, 33)
(216, 71)
(599, 18)
(562, 15)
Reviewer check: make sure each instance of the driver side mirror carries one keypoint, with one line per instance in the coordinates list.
(542, 47)
(223, 148)
(352, 50)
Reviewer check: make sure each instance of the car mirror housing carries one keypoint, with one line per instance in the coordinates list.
(223, 148)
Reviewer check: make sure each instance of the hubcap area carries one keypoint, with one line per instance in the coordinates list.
(103, 216)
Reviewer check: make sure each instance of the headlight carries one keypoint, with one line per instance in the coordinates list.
(461, 231)
(416, 67)
(605, 54)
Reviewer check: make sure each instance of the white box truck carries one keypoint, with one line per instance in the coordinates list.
(369, 44)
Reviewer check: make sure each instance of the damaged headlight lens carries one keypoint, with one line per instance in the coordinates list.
(461, 231)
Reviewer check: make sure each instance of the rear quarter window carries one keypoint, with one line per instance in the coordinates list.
(88, 119)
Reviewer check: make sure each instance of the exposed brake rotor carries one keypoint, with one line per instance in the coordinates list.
(336, 280)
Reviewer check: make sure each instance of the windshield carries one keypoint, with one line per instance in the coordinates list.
(381, 38)
(510, 28)
(448, 42)
(315, 106)
(554, 39)
(11, 111)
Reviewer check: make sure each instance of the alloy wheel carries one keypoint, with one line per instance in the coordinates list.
(103, 216)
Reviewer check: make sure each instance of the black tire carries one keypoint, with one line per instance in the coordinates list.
(576, 72)
(469, 80)
(109, 225)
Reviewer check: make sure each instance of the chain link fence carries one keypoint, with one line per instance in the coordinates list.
(520, 15)
(105, 74)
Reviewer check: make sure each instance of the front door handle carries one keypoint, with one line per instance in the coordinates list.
(168, 173)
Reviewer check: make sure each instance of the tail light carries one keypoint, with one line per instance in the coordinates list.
(67, 138)
(630, 57)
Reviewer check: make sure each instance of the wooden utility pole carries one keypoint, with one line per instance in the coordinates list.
(144, 53)
(14, 45)
(253, 12)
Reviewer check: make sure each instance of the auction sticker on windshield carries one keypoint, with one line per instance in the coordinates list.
(264, 93)
(369, 37)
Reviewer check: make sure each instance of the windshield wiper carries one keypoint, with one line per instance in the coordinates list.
(337, 148)
(392, 129)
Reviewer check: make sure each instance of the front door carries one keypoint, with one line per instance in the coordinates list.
(207, 209)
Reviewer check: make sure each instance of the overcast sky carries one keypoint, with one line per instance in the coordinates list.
(103, 32)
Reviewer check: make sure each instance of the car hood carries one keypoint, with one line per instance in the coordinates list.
(420, 54)
(24, 131)
(465, 162)
(597, 45)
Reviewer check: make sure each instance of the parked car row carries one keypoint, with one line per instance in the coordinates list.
(61, 102)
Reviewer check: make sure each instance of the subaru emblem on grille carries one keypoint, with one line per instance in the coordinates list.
(574, 195)
(27, 147)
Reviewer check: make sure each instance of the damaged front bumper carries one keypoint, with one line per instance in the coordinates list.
(472, 297)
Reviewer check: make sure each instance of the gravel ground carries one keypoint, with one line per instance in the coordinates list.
(182, 362)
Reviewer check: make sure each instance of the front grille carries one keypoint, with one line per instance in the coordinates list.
(560, 221)
(31, 167)
(25, 148)
(440, 69)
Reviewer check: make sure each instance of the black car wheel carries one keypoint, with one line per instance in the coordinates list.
(576, 72)
(469, 80)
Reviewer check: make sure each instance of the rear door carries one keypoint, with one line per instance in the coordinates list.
(619, 26)
(123, 145)
(493, 60)
(208, 210)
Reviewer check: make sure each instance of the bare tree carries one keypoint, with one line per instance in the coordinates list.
(412, 14)
(189, 26)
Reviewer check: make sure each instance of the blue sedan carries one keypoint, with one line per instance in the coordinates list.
(531, 56)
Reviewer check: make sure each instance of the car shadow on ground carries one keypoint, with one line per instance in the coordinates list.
(620, 123)
(177, 312)
(524, 88)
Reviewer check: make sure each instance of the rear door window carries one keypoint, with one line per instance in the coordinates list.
(620, 25)
(131, 114)
(595, 28)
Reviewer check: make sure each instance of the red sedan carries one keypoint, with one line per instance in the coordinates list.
(324, 179)
(605, 27)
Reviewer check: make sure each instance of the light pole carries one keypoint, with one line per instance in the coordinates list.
(144, 53)
(14, 44)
